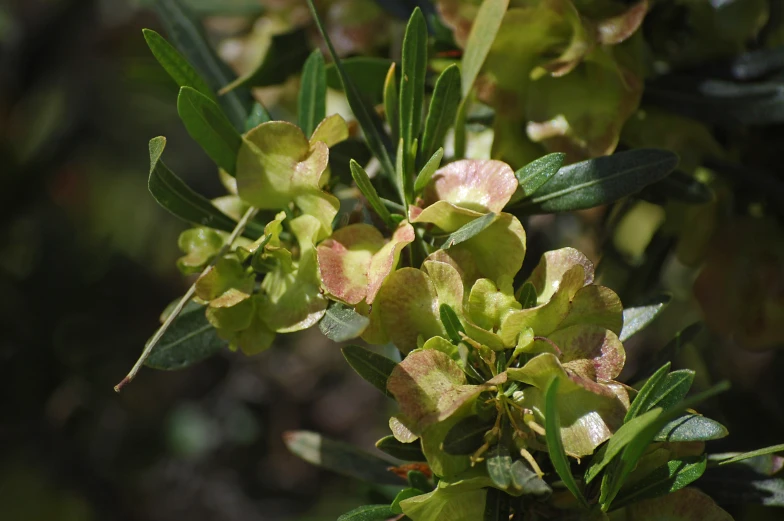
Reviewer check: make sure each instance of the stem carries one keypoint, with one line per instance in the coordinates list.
(183, 301)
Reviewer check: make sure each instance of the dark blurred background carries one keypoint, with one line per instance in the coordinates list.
(87, 265)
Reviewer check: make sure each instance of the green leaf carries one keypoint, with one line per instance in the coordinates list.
(402, 496)
(374, 368)
(480, 40)
(365, 186)
(189, 339)
(377, 140)
(342, 323)
(637, 318)
(499, 465)
(642, 402)
(312, 106)
(672, 390)
(185, 30)
(460, 125)
(526, 295)
(428, 170)
(175, 64)
(419, 481)
(285, 56)
(527, 481)
(467, 435)
(442, 111)
(176, 197)
(391, 102)
(469, 230)
(397, 449)
(601, 181)
(369, 513)
(753, 454)
(536, 173)
(451, 323)
(340, 457)
(226, 7)
(666, 479)
(210, 128)
(497, 505)
(555, 445)
(412, 84)
(368, 74)
(258, 115)
(692, 427)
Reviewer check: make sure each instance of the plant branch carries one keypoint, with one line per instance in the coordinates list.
(238, 230)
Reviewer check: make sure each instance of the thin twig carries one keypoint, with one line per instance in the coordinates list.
(238, 230)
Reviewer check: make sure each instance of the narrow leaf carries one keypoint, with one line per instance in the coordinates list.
(666, 479)
(210, 128)
(753, 454)
(692, 427)
(499, 465)
(443, 110)
(637, 318)
(341, 323)
(391, 102)
(369, 513)
(404, 494)
(480, 40)
(189, 339)
(467, 231)
(377, 140)
(428, 170)
(460, 126)
(451, 323)
(312, 107)
(185, 31)
(340, 457)
(285, 56)
(643, 399)
(258, 115)
(397, 449)
(672, 390)
(555, 444)
(527, 481)
(176, 197)
(412, 83)
(601, 181)
(536, 173)
(526, 295)
(467, 435)
(366, 187)
(175, 64)
(419, 481)
(374, 368)
(368, 74)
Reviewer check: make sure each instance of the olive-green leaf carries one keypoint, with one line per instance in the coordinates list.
(536, 173)
(601, 181)
(527, 481)
(412, 82)
(365, 186)
(341, 323)
(397, 449)
(367, 72)
(340, 457)
(442, 111)
(258, 115)
(555, 444)
(189, 339)
(419, 481)
(451, 323)
(469, 230)
(374, 368)
(643, 399)
(467, 435)
(312, 106)
(176, 197)
(285, 57)
(209, 127)
(391, 102)
(692, 427)
(402, 496)
(369, 513)
(480, 40)
(526, 295)
(753, 454)
(428, 170)
(185, 31)
(175, 64)
(668, 478)
(672, 390)
(376, 138)
(635, 319)
(499, 465)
